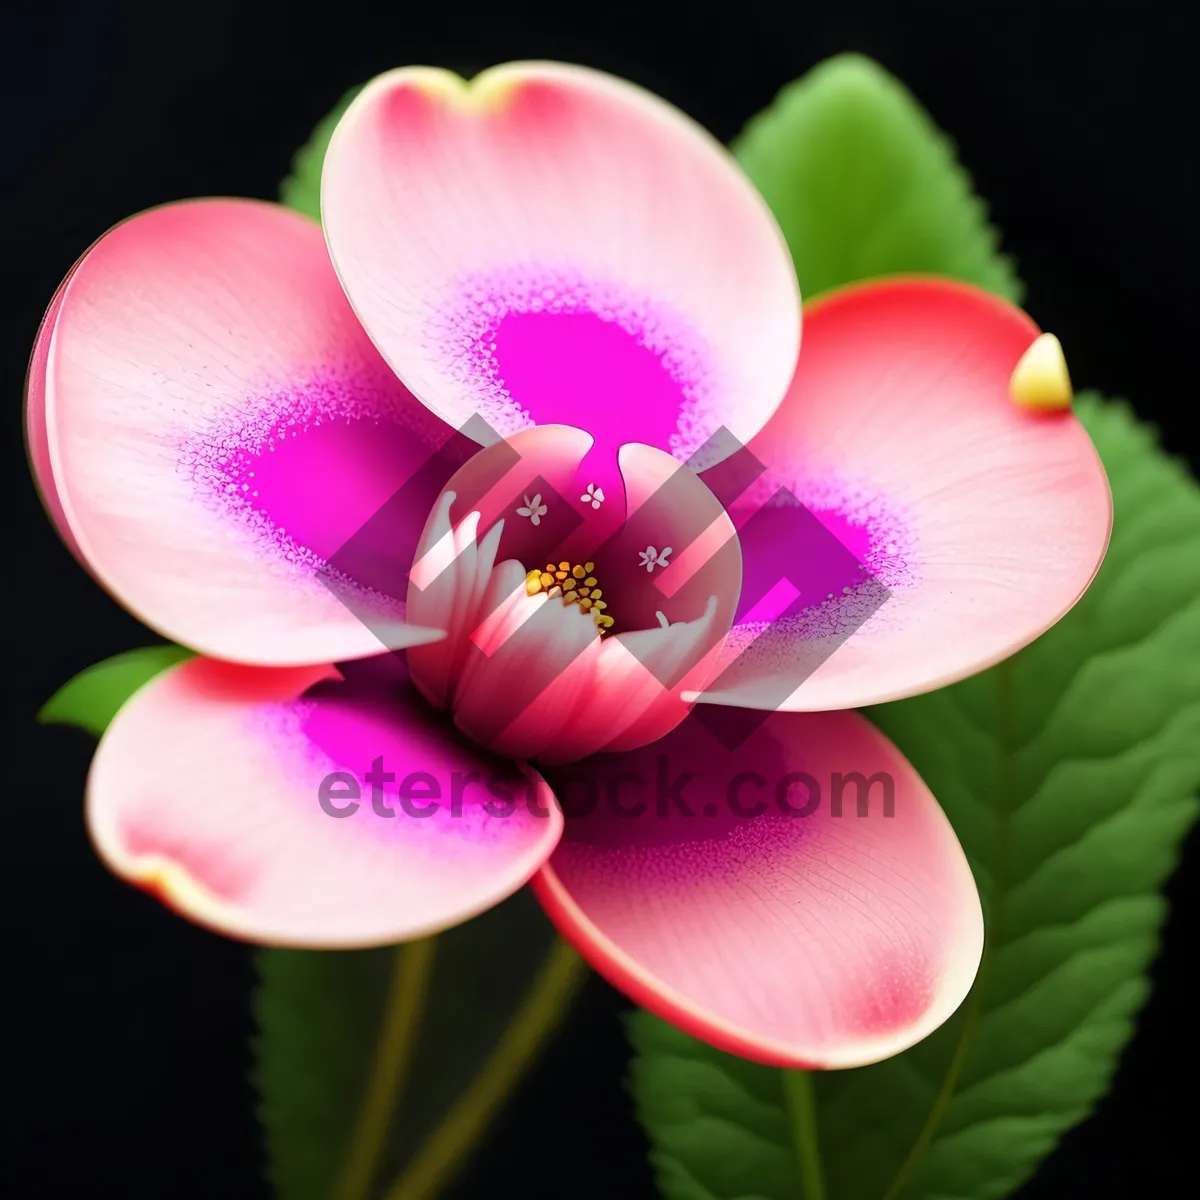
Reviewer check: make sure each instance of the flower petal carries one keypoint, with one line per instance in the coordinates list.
(832, 939)
(36, 440)
(206, 790)
(212, 428)
(550, 244)
(935, 525)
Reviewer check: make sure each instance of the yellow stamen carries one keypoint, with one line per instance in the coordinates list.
(572, 584)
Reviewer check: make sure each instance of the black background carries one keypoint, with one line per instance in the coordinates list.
(126, 1039)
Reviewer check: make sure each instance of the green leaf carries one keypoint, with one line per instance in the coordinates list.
(864, 184)
(385, 1063)
(301, 190)
(1070, 773)
(91, 699)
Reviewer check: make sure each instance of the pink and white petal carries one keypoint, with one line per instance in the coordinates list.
(206, 790)
(36, 441)
(549, 244)
(218, 437)
(821, 940)
(940, 526)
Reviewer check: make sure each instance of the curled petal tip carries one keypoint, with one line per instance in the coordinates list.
(172, 884)
(1040, 380)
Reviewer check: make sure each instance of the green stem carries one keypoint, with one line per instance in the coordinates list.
(411, 971)
(937, 1110)
(543, 1007)
(801, 1098)
(973, 1009)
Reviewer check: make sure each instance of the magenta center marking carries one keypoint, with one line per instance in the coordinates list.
(544, 347)
(304, 469)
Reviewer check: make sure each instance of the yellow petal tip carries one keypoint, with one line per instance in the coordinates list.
(1040, 380)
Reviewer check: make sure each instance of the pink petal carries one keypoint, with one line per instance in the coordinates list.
(940, 526)
(550, 244)
(222, 444)
(36, 440)
(826, 940)
(206, 790)
(529, 676)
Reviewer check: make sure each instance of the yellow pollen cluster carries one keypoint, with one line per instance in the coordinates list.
(574, 584)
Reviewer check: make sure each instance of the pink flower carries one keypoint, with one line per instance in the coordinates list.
(219, 427)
